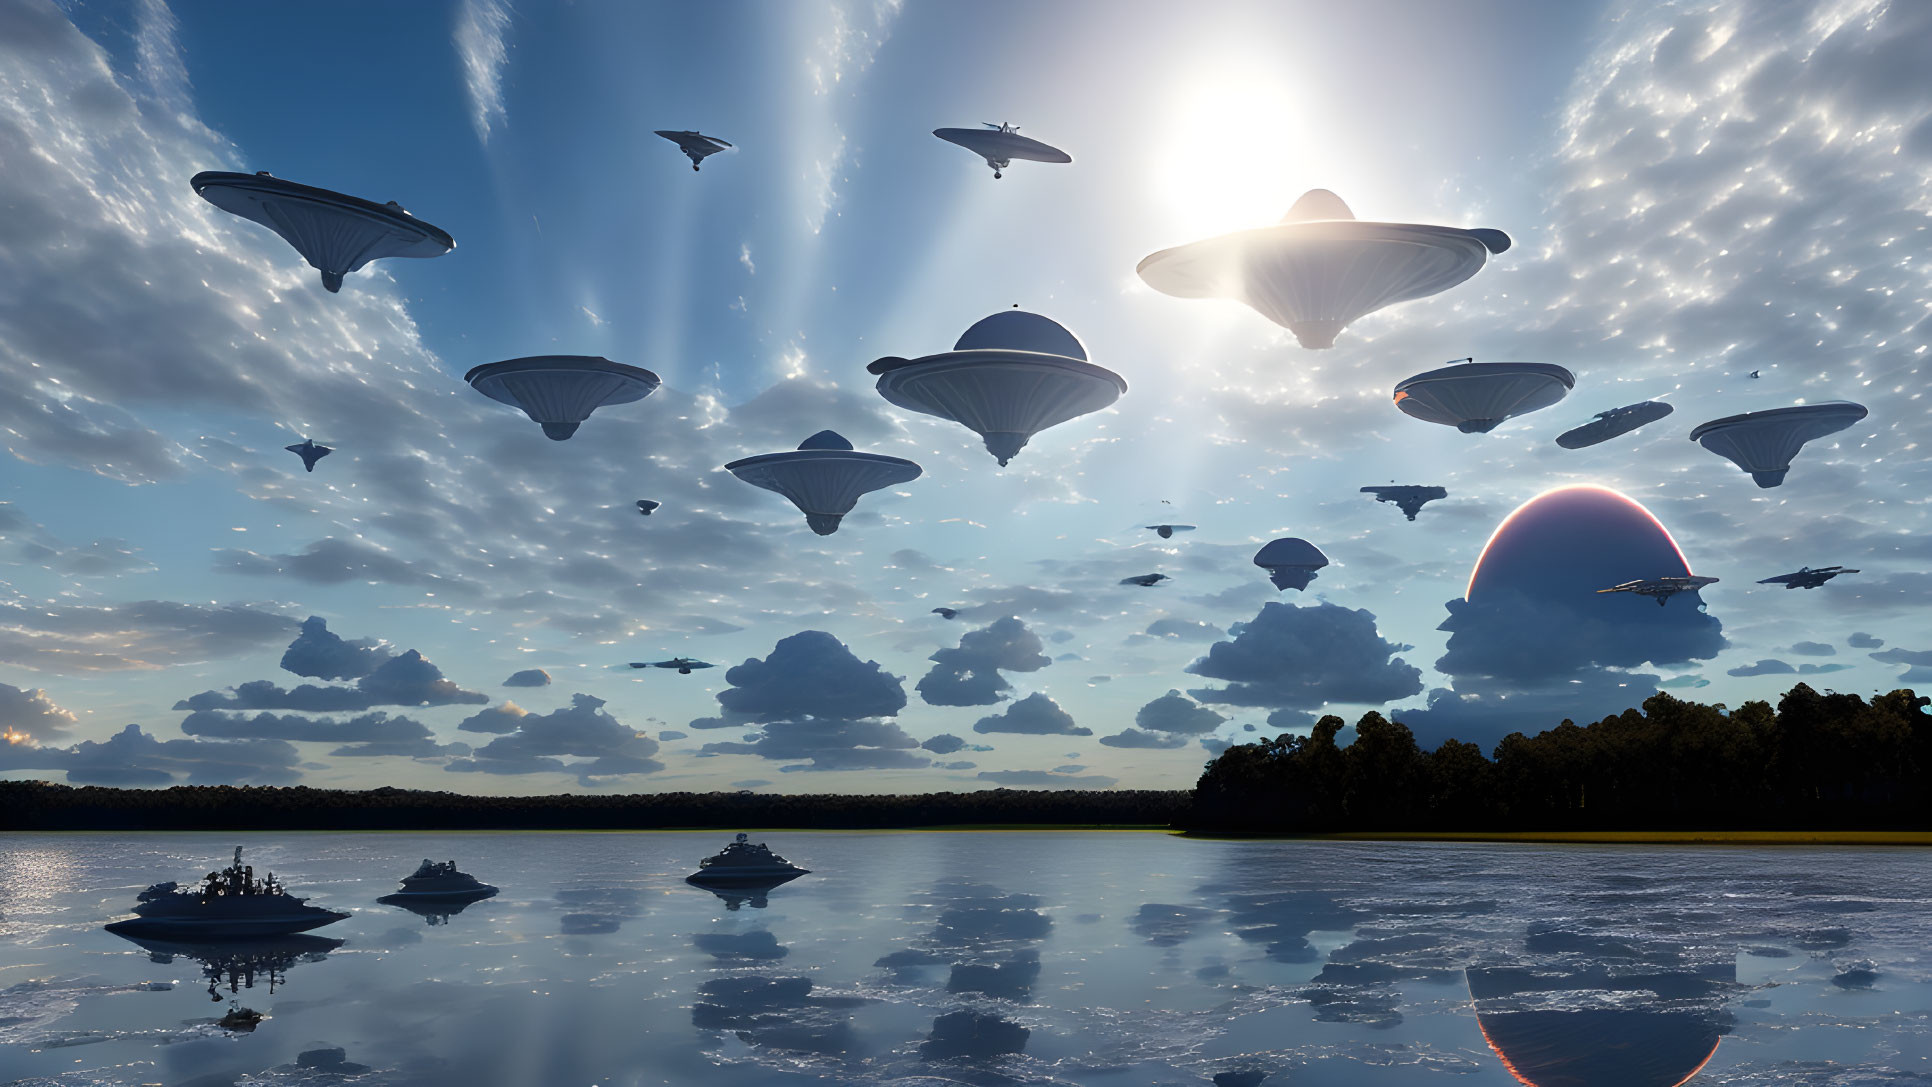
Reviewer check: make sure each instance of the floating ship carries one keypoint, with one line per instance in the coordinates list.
(744, 863)
(438, 880)
(229, 904)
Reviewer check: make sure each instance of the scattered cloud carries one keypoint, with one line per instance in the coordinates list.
(1034, 715)
(969, 675)
(528, 677)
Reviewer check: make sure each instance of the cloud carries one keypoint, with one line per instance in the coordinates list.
(969, 675)
(332, 561)
(750, 783)
(496, 720)
(404, 680)
(669, 734)
(1134, 737)
(482, 27)
(31, 716)
(943, 744)
(1183, 630)
(1814, 649)
(1679, 683)
(319, 653)
(1296, 659)
(581, 730)
(1178, 714)
(828, 744)
(368, 735)
(1862, 640)
(70, 639)
(132, 758)
(34, 545)
(528, 677)
(1034, 715)
(808, 675)
(1763, 668)
(1047, 779)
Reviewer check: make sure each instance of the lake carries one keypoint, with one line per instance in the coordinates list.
(1100, 959)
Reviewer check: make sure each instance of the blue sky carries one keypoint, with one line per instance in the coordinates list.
(1696, 190)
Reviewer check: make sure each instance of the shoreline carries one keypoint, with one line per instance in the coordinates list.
(1607, 837)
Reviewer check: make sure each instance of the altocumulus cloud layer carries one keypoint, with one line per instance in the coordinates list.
(1731, 186)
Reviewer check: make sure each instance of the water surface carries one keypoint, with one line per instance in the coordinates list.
(1099, 959)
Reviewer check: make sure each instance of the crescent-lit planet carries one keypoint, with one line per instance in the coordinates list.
(1565, 544)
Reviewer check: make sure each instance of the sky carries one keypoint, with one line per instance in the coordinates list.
(1695, 190)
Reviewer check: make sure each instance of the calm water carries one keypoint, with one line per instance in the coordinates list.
(1097, 959)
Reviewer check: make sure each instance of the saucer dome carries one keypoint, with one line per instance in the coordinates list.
(1291, 562)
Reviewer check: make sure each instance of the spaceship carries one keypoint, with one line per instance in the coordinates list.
(696, 145)
(1007, 378)
(336, 233)
(1764, 442)
(647, 507)
(1474, 397)
(560, 391)
(1000, 146)
(1321, 268)
(309, 452)
(1408, 498)
(1145, 581)
(1166, 532)
(1291, 562)
(1806, 577)
(946, 613)
(1661, 589)
(824, 477)
(1613, 423)
(684, 665)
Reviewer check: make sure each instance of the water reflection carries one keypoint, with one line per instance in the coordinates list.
(432, 911)
(971, 1035)
(239, 964)
(754, 895)
(779, 1012)
(595, 911)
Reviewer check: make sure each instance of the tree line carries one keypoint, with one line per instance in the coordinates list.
(1814, 762)
(38, 805)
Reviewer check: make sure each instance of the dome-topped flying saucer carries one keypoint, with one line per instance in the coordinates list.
(1321, 268)
(560, 391)
(1007, 378)
(1474, 397)
(1291, 562)
(336, 233)
(1763, 442)
(824, 477)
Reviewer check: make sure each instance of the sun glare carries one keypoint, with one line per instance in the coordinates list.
(1235, 149)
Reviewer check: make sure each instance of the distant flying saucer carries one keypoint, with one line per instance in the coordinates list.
(560, 391)
(1000, 144)
(1474, 397)
(824, 477)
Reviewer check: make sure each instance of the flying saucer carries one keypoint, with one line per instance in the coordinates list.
(1321, 268)
(1291, 562)
(1007, 378)
(1613, 423)
(336, 233)
(1764, 442)
(824, 477)
(560, 391)
(1474, 397)
(1000, 144)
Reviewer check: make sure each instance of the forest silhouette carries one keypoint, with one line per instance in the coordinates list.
(1813, 762)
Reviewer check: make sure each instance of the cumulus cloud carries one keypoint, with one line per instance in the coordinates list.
(368, 735)
(495, 720)
(808, 675)
(132, 757)
(1763, 668)
(943, 744)
(528, 677)
(669, 734)
(1296, 659)
(582, 731)
(1034, 715)
(1134, 737)
(319, 653)
(70, 639)
(1814, 649)
(31, 716)
(1862, 640)
(1177, 714)
(1918, 663)
(407, 679)
(969, 675)
(1183, 630)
